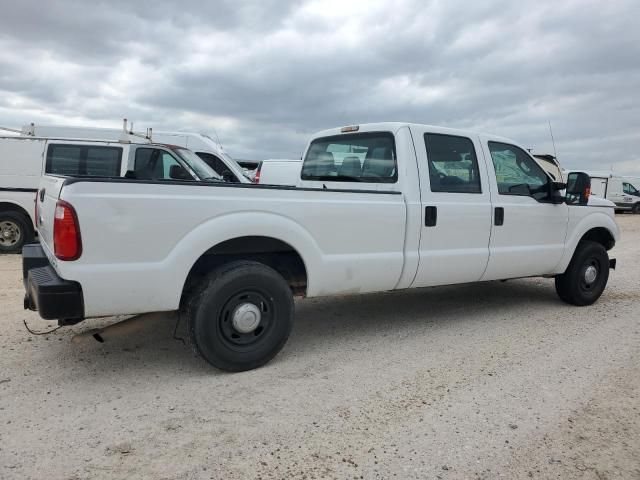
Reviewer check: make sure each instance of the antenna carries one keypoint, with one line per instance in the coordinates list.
(553, 142)
(217, 137)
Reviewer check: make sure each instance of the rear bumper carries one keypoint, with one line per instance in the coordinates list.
(45, 292)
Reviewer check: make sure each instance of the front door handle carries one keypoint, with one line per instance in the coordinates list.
(430, 216)
(498, 217)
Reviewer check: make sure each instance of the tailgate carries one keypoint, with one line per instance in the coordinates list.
(48, 194)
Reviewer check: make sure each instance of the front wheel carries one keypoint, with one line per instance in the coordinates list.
(636, 208)
(241, 316)
(586, 276)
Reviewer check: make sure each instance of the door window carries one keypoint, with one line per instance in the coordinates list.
(630, 189)
(453, 166)
(517, 173)
(155, 164)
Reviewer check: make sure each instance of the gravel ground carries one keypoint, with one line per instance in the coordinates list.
(495, 380)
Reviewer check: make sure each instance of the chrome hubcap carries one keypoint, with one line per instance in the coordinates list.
(246, 317)
(590, 274)
(9, 233)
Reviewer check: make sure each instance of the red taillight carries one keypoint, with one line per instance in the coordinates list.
(67, 244)
(256, 178)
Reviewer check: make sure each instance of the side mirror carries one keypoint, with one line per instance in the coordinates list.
(177, 172)
(578, 188)
(555, 194)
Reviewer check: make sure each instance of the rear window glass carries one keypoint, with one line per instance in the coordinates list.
(83, 160)
(360, 157)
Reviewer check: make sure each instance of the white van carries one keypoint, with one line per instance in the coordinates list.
(23, 159)
(202, 145)
(276, 171)
(620, 190)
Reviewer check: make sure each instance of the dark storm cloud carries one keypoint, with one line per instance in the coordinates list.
(267, 74)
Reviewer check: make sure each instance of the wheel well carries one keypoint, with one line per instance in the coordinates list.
(275, 253)
(600, 235)
(12, 207)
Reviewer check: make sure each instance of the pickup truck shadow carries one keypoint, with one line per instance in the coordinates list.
(327, 320)
(146, 342)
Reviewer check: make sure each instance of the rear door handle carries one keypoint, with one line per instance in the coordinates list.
(498, 217)
(430, 216)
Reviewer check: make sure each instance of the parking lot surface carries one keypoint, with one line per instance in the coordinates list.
(494, 380)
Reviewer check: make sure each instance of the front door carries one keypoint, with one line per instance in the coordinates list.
(528, 232)
(456, 208)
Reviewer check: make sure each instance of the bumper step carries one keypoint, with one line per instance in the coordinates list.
(51, 296)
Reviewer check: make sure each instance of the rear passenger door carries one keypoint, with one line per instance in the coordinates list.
(529, 231)
(456, 208)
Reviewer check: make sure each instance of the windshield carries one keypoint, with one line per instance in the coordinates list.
(202, 170)
(227, 158)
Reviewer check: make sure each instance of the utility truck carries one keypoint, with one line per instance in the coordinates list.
(379, 207)
(24, 158)
(210, 150)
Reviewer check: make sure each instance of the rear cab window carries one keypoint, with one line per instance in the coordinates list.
(83, 160)
(368, 157)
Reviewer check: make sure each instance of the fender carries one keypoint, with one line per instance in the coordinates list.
(241, 224)
(579, 226)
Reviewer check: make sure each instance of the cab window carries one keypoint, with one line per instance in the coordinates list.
(629, 189)
(156, 164)
(361, 157)
(517, 173)
(453, 166)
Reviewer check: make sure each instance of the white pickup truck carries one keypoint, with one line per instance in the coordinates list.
(381, 207)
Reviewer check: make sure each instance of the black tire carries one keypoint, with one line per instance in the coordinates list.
(231, 295)
(636, 208)
(577, 285)
(15, 232)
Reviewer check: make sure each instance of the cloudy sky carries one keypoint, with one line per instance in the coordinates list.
(267, 74)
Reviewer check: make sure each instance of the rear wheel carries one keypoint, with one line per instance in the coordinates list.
(586, 276)
(15, 231)
(636, 208)
(241, 316)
